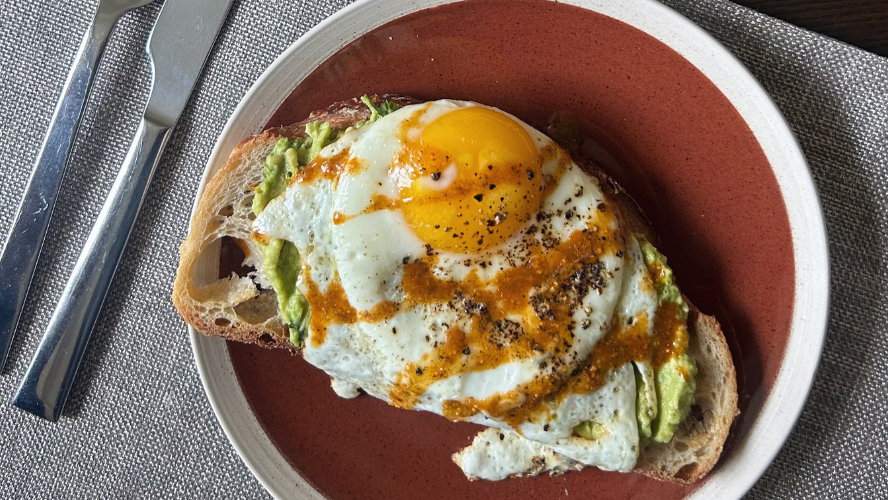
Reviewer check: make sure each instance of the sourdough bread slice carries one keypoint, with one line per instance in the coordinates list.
(243, 307)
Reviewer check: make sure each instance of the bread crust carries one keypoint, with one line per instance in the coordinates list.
(234, 308)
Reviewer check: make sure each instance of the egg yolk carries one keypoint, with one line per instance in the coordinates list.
(469, 179)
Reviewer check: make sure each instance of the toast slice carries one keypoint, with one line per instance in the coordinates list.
(241, 305)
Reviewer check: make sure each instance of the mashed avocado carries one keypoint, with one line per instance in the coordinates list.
(674, 380)
(281, 263)
(279, 257)
(589, 430)
(675, 394)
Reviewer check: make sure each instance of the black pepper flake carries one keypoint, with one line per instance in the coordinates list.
(394, 330)
(619, 253)
(419, 371)
(569, 214)
(437, 226)
(467, 351)
(601, 207)
(436, 176)
(489, 167)
(530, 175)
(502, 436)
(546, 427)
(497, 218)
(492, 187)
(405, 260)
(478, 197)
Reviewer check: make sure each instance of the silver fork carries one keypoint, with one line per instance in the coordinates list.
(25, 240)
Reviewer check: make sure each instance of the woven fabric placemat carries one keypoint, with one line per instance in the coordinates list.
(138, 423)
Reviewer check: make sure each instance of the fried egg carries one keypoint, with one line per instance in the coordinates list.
(458, 261)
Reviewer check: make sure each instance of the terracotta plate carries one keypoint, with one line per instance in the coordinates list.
(667, 111)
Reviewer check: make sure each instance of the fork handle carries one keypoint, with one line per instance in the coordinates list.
(48, 380)
(25, 240)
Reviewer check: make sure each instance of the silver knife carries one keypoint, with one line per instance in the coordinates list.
(178, 47)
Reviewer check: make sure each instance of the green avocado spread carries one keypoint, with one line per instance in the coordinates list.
(280, 258)
(673, 377)
(590, 430)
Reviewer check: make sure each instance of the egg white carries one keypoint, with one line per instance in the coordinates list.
(367, 252)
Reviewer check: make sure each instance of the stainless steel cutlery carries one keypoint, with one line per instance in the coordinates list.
(179, 44)
(25, 239)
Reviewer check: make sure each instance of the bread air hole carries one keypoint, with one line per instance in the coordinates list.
(697, 412)
(222, 322)
(219, 259)
(680, 446)
(226, 211)
(232, 254)
(206, 269)
(687, 471)
(259, 309)
(266, 339)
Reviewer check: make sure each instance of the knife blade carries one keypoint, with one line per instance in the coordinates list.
(178, 47)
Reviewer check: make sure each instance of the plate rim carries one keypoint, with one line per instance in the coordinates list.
(787, 396)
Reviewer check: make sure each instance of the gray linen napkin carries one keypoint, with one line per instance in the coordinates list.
(138, 423)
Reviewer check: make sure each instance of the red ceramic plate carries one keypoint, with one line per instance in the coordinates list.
(668, 112)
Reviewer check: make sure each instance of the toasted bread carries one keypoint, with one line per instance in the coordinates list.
(243, 307)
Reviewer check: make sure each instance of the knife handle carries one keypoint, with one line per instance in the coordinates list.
(25, 239)
(49, 378)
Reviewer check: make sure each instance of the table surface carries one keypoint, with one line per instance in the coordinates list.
(863, 23)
